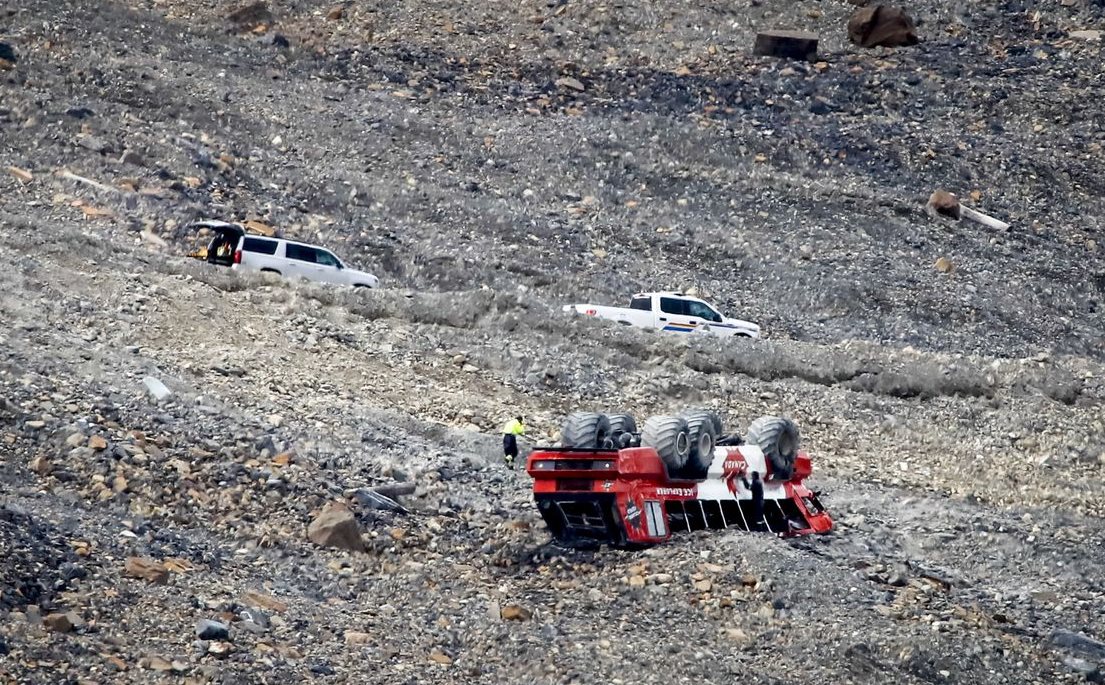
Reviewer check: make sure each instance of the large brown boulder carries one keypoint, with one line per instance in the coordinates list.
(335, 526)
(883, 26)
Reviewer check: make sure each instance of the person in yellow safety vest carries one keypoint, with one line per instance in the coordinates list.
(511, 431)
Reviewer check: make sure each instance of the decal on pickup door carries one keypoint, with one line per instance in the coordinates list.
(680, 327)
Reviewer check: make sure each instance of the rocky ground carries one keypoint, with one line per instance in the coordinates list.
(491, 163)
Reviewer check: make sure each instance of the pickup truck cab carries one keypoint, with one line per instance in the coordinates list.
(232, 246)
(671, 311)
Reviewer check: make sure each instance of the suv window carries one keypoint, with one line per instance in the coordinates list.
(644, 303)
(327, 258)
(702, 311)
(259, 245)
(670, 305)
(301, 253)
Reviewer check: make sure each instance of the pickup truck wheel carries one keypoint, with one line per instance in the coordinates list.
(702, 429)
(668, 435)
(586, 430)
(778, 438)
(622, 425)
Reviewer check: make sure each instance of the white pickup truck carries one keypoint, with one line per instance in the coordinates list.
(669, 311)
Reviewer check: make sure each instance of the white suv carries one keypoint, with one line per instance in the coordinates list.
(232, 247)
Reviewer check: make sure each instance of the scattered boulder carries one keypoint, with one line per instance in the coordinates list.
(787, 44)
(62, 622)
(278, 40)
(7, 57)
(206, 629)
(515, 612)
(571, 83)
(1088, 34)
(133, 158)
(882, 26)
(146, 569)
(252, 17)
(1077, 642)
(158, 391)
(95, 144)
(944, 203)
(335, 526)
(355, 637)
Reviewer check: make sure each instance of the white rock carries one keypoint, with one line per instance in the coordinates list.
(158, 391)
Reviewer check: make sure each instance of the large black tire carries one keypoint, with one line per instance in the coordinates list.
(778, 438)
(669, 436)
(715, 418)
(586, 430)
(622, 428)
(702, 431)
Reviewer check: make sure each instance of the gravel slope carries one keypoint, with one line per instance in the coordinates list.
(954, 418)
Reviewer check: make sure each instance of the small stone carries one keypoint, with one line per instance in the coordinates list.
(146, 569)
(263, 601)
(95, 144)
(34, 425)
(41, 465)
(97, 443)
(569, 82)
(22, 175)
(335, 526)
(440, 657)
(133, 158)
(220, 649)
(737, 635)
(636, 581)
(352, 637)
(703, 585)
(156, 663)
(944, 265)
(944, 203)
(158, 391)
(335, 13)
(1091, 34)
(206, 629)
(514, 612)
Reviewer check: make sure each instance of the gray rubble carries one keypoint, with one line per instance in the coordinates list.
(492, 162)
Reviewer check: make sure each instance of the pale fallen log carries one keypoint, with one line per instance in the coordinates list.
(70, 176)
(984, 219)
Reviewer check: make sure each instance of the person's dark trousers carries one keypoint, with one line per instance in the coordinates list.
(510, 449)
